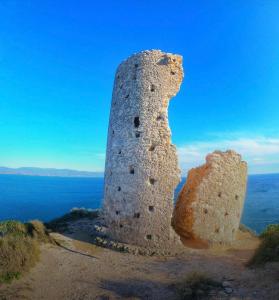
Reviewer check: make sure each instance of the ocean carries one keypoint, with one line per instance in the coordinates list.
(31, 197)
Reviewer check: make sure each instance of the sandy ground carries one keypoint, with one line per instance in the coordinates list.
(79, 270)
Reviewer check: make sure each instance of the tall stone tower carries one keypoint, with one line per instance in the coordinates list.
(141, 163)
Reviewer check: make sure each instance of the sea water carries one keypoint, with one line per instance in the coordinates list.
(44, 198)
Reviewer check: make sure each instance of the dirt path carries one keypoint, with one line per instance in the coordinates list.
(79, 270)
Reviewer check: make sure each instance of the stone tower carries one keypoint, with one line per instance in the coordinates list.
(141, 163)
(209, 206)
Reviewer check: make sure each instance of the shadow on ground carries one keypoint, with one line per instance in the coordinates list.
(139, 289)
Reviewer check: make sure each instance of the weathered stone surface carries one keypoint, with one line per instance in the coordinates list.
(141, 163)
(209, 206)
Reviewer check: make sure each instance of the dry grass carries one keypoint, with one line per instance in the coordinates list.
(19, 247)
(38, 231)
(196, 285)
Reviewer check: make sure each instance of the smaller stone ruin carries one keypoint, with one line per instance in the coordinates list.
(209, 206)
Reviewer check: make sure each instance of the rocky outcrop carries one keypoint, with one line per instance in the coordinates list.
(142, 170)
(209, 206)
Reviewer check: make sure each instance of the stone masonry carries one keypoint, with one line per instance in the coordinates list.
(210, 203)
(142, 170)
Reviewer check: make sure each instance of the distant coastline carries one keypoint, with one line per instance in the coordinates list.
(51, 172)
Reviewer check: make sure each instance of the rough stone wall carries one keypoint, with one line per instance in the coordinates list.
(141, 163)
(209, 206)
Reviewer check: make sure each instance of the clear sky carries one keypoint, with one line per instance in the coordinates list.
(57, 65)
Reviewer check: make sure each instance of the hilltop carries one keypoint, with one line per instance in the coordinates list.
(76, 268)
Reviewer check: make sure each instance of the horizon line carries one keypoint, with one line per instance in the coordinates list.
(91, 171)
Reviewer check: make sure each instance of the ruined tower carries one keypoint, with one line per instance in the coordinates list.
(141, 163)
(209, 206)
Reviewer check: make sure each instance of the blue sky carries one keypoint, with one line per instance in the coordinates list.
(57, 65)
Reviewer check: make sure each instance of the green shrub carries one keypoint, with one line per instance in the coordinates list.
(268, 250)
(8, 277)
(270, 230)
(61, 224)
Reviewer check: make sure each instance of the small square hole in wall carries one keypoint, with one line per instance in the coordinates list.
(136, 215)
(137, 134)
(151, 208)
(149, 237)
(152, 147)
(152, 181)
(132, 170)
(117, 212)
(119, 188)
(136, 122)
(161, 117)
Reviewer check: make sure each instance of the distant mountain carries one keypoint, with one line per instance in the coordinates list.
(49, 172)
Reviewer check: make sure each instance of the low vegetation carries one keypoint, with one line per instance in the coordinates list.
(268, 250)
(19, 247)
(19, 242)
(61, 224)
(196, 285)
(270, 230)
